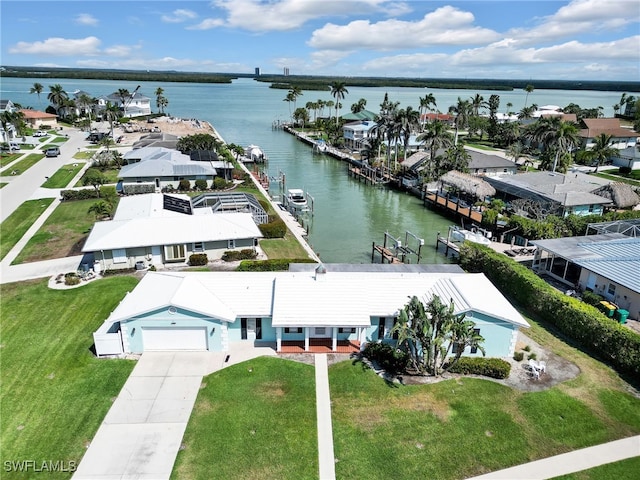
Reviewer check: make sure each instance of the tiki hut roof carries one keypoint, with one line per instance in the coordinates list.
(621, 194)
(469, 184)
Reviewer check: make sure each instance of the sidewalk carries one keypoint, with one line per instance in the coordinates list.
(571, 462)
(326, 457)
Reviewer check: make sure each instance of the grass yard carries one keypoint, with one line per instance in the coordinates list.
(55, 393)
(17, 224)
(2, 184)
(631, 179)
(415, 431)
(611, 471)
(255, 420)
(84, 155)
(111, 174)
(24, 164)
(62, 235)
(63, 176)
(7, 158)
(287, 247)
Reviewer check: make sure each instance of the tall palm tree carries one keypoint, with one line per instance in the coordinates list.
(426, 104)
(57, 96)
(162, 103)
(123, 95)
(456, 158)
(409, 122)
(461, 110)
(476, 103)
(295, 91)
(289, 98)
(529, 88)
(159, 93)
(554, 133)
(527, 112)
(509, 106)
(436, 136)
(111, 113)
(38, 89)
(338, 91)
(601, 150)
(86, 103)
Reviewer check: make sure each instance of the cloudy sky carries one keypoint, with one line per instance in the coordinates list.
(541, 39)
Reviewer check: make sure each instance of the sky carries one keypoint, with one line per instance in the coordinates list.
(516, 39)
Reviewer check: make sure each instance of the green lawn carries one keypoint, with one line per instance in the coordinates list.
(55, 393)
(62, 235)
(63, 176)
(7, 158)
(3, 184)
(255, 420)
(24, 164)
(17, 224)
(287, 247)
(111, 174)
(84, 155)
(623, 470)
(632, 179)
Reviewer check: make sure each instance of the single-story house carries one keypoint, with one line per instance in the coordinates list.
(320, 306)
(591, 128)
(483, 164)
(161, 139)
(627, 157)
(158, 229)
(564, 194)
(607, 264)
(163, 167)
(37, 119)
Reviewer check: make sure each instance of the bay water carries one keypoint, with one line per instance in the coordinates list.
(348, 216)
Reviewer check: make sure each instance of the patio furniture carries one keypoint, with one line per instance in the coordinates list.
(542, 366)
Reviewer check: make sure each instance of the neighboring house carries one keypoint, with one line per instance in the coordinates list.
(135, 105)
(563, 194)
(362, 116)
(163, 167)
(37, 119)
(10, 133)
(490, 165)
(356, 134)
(330, 306)
(622, 138)
(628, 157)
(165, 140)
(441, 117)
(159, 229)
(607, 264)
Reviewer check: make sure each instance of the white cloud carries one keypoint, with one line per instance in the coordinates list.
(444, 26)
(86, 19)
(118, 51)
(207, 24)
(57, 46)
(178, 16)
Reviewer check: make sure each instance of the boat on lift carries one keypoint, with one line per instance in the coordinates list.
(254, 154)
(473, 235)
(296, 200)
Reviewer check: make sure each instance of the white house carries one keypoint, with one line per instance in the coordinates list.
(135, 105)
(160, 229)
(317, 306)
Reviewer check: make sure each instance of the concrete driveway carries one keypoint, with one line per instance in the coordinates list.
(141, 435)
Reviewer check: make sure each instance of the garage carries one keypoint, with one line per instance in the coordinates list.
(183, 338)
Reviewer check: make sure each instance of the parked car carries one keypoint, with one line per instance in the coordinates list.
(40, 133)
(11, 147)
(52, 152)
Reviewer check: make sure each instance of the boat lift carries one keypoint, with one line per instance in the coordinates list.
(403, 251)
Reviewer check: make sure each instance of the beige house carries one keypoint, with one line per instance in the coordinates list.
(37, 119)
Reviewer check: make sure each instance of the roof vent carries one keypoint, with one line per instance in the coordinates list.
(321, 270)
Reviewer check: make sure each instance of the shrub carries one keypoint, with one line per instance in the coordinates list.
(168, 189)
(198, 259)
(138, 188)
(487, 367)
(276, 265)
(532, 356)
(625, 170)
(220, 183)
(518, 356)
(83, 194)
(527, 348)
(184, 185)
(583, 323)
(201, 184)
(71, 279)
(591, 298)
(390, 359)
(235, 255)
(275, 229)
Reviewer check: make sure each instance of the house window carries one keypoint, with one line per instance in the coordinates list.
(395, 333)
(231, 243)
(612, 289)
(347, 330)
(320, 330)
(292, 329)
(454, 348)
(174, 252)
(198, 247)
(590, 208)
(243, 328)
(258, 328)
(381, 328)
(120, 255)
(476, 331)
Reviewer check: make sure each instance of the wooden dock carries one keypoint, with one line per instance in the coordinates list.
(434, 199)
(385, 254)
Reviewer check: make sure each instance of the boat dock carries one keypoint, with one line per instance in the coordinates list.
(370, 175)
(436, 200)
(326, 149)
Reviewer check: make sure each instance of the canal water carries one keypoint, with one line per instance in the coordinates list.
(348, 216)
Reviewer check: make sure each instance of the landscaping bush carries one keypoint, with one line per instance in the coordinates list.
(201, 184)
(390, 359)
(71, 279)
(625, 170)
(276, 265)
(138, 188)
(518, 356)
(220, 183)
(198, 259)
(184, 185)
(83, 194)
(235, 255)
(487, 367)
(591, 298)
(583, 323)
(275, 229)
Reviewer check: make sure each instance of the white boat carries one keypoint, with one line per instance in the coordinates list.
(460, 235)
(297, 200)
(254, 154)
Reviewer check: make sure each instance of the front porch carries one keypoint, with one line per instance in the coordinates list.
(319, 345)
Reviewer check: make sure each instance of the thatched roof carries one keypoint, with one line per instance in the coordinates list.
(469, 184)
(621, 194)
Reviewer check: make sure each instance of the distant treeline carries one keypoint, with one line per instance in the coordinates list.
(318, 82)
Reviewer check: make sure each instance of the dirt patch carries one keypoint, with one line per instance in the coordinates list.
(272, 390)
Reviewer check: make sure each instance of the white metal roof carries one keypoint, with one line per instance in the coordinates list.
(345, 299)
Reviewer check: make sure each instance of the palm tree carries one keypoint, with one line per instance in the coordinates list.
(338, 91)
(409, 122)
(529, 88)
(37, 88)
(436, 136)
(461, 111)
(554, 133)
(601, 150)
(509, 105)
(86, 103)
(57, 96)
(111, 113)
(462, 333)
(123, 95)
(527, 112)
(456, 158)
(289, 98)
(295, 92)
(426, 103)
(359, 106)
(160, 99)
(476, 103)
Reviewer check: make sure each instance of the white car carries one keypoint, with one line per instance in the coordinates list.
(40, 133)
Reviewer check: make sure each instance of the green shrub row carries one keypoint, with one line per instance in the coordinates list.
(487, 367)
(83, 194)
(198, 259)
(275, 229)
(275, 265)
(390, 359)
(138, 188)
(583, 323)
(235, 255)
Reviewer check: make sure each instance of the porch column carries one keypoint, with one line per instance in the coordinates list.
(306, 339)
(278, 339)
(334, 338)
